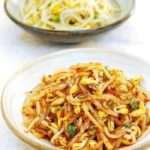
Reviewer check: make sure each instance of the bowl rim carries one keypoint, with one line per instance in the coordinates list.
(72, 32)
(9, 122)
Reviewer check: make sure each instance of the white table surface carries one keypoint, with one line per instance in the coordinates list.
(18, 47)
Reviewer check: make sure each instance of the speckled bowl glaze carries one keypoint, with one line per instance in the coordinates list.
(12, 8)
(26, 78)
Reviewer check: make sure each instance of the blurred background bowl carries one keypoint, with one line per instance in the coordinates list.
(12, 9)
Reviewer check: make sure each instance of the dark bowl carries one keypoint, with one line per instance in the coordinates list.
(12, 8)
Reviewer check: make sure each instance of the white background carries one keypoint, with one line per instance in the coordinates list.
(18, 47)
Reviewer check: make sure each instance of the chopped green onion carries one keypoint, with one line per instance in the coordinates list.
(133, 105)
(56, 18)
(127, 125)
(72, 129)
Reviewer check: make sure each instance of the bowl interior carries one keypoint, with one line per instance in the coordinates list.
(13, 9)
(29, 76)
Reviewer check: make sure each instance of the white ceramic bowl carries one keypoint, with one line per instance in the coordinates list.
(26, 78)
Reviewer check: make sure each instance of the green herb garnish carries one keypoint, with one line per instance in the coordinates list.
(127, 125)
(133, 105)
(56, 18)
(72, 129)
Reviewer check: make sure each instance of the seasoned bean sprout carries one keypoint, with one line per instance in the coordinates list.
(69, 14)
